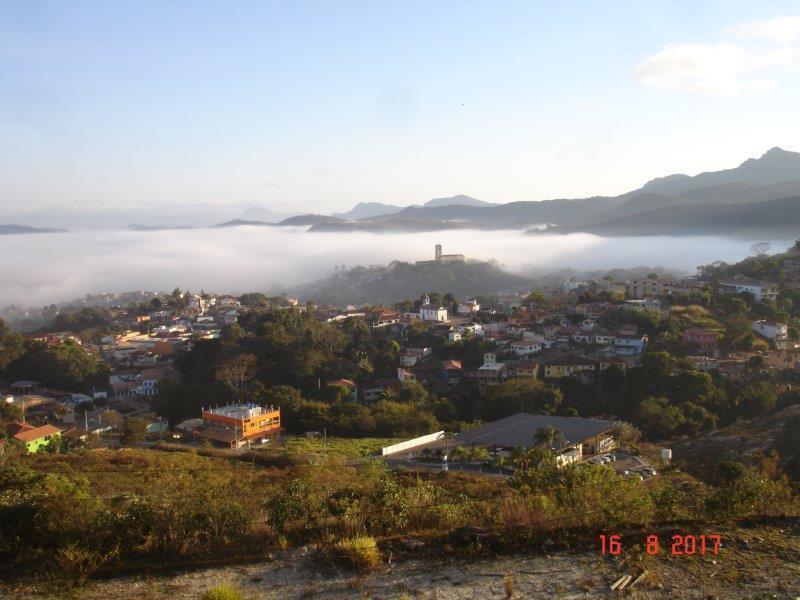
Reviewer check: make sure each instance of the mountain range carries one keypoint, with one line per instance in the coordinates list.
(761, 194)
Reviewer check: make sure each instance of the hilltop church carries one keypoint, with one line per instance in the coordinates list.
(447, 258)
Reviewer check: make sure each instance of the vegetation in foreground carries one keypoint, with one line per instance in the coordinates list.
(67, 516)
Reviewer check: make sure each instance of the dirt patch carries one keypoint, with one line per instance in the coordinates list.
(762, 562)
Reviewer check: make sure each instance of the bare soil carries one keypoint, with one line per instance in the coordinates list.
(761, 562)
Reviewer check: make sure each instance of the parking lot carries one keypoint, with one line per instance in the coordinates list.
(624, 463)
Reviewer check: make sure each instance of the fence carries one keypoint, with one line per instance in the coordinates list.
(431, 437)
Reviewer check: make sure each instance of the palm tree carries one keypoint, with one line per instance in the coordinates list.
(548, 436)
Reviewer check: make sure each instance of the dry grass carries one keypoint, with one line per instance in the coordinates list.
(360, 553)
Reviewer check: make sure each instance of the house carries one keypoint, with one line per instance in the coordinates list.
(491, 371)
(432, 313)
(526, 369)
(644, 288)
(629, 344)
(642, 303)
(379, 319)
(150, 378)
(569, 365)
(526, 348)
(603, 339)
(759, 289)
(776, 333)
(533, 337)
(703, 340)
(26, 387)
(786, 358)
(451, 371)
(238, 424)
(35, 438)
(348, 384)
(732, 369)
(704, 363)
(608, 362)
(578, 437)
(405, 375)
(374, 391)
(470, 307)
(409, 359)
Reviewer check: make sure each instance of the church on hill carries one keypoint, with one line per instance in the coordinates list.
(447, 258)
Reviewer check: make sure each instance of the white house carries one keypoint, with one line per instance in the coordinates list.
(470, 307)
(759, 289)
(629, 344)
(526, 348)
(433, 313)
(535, 338)
(776, 333)
(409, 359)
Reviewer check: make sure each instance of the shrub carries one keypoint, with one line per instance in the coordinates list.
(223, 592)
(360, 553)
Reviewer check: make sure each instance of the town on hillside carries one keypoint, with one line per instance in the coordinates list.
(574, 339)
(298, 423)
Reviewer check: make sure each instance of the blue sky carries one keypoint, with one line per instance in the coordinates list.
(319, 105)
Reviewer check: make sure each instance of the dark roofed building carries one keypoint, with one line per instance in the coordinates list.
(580, 436)
(520, 430)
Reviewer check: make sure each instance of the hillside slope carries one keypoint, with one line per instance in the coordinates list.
(772, 217)
(385, 285)
(777, 431)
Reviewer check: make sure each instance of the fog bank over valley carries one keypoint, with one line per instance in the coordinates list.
(53, 267)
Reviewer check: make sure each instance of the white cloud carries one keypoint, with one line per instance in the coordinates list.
(783, 29)
(713, 69)
(726, 68)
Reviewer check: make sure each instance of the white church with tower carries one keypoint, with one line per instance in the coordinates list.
(447, 258)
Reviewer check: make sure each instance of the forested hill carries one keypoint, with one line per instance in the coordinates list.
(406, 280)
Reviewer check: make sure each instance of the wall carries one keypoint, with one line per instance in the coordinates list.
(431, 437)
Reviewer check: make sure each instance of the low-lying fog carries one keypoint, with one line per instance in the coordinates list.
(42, 268)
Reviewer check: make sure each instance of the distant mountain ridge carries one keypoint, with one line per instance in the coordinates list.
(459, 200)
(769, 217)
(773, 176)
(774, 166)
(367, 210)
(13, 229)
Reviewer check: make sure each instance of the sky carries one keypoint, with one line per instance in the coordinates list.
(315, 106)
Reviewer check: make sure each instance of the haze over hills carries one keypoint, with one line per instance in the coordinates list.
(773, 176)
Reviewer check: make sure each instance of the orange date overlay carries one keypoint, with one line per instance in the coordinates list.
(679, 545)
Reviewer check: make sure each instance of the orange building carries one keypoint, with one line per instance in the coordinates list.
(239, 424)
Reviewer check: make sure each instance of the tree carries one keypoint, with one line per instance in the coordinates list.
(11, 346)
(627, 436)
(757, 398)
(658, 417)
(549, 436)
(134, 430)
(236, 372)
(520, 395)
(760, 248)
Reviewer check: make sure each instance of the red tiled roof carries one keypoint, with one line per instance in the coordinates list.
(36, 433)
(14, 428)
